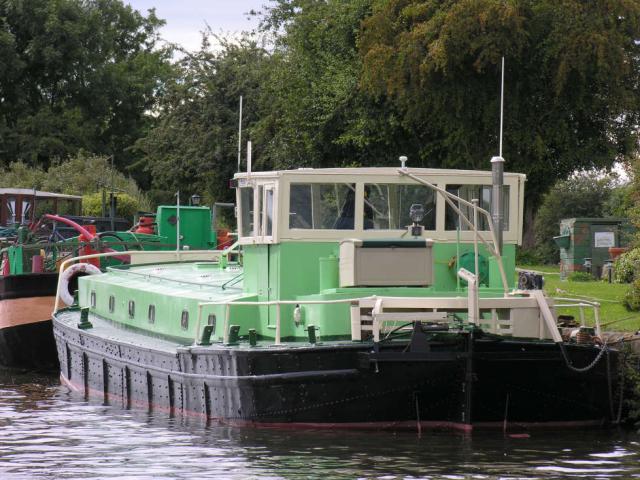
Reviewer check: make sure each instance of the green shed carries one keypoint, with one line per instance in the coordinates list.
(584, 243)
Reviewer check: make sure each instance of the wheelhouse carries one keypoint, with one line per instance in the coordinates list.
(371, 203)
(23, 205)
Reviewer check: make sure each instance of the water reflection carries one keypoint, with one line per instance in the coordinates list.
(47, 432)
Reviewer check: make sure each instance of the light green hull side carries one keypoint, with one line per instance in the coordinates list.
(286, 271)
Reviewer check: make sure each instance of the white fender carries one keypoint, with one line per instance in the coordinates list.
(73, 271)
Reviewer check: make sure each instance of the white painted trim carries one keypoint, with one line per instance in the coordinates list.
(283, 179)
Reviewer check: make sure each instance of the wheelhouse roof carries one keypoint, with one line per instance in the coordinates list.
(363, 171)
(38, 193)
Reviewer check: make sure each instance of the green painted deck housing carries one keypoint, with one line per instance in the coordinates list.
(286, 265)
(196, 231)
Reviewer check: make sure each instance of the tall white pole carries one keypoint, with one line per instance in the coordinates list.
(501, 106)
(178, 222)
(249, 156)
(240, 134)
(497, 174)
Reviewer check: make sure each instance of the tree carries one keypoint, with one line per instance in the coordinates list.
(193, 147)
(80, 175)
(126, 206)
(587, 194)
(74, 75)
(318, 115)
(571, 82)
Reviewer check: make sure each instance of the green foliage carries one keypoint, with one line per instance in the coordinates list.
(76, 75)
(318, 116)
(632, 200)
(629, 370)
(631, 298)
(528, 256)
(627, 266)
(613, 314)
(583, 195)
(126, 205)
(80, 175)
(361, 82)
(193, 148)
(571, 78)
(20, 175)
(580, 277)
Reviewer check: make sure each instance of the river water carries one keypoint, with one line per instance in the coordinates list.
(48, 432)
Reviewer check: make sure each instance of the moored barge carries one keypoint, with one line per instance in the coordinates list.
(45, 229)
(354, 298)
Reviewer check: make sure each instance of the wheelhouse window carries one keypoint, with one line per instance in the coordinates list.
(322, 206)
(11, 210)
(211, 320)
(483, 194)
(387, 206)
(184, 320)
(268, 198)
(26, 210)
(246, 209)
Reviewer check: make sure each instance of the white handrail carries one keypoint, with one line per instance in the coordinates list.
(278, 303)
(463, 302)
(579, 303)
(473, 307)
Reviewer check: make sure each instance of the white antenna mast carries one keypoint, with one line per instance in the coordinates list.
(497, 178)
(178, 221)
(240, 134)
(249, 157)
(501, 107)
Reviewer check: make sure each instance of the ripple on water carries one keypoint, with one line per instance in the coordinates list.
(48, 433)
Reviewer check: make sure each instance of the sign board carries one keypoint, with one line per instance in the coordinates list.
(605, 240)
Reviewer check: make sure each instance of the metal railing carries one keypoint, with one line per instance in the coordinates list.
(376, 303)
(277, 303)
(449, 197)
(581, 304)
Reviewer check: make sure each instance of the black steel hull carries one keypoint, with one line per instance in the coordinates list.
(26, 332)
(342, 386)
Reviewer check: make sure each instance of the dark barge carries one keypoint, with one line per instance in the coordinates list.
(338, 320)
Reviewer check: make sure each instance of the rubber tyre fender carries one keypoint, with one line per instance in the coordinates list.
(75, 270)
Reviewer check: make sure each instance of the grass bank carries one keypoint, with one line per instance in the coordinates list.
(613, 315)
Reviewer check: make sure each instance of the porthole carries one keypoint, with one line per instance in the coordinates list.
(184, 320)
(212, 321)
(151, 314)
(112, 303)
(93, 299)
(132, 309)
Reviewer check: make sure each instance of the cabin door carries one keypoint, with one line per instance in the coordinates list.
(266, 197)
